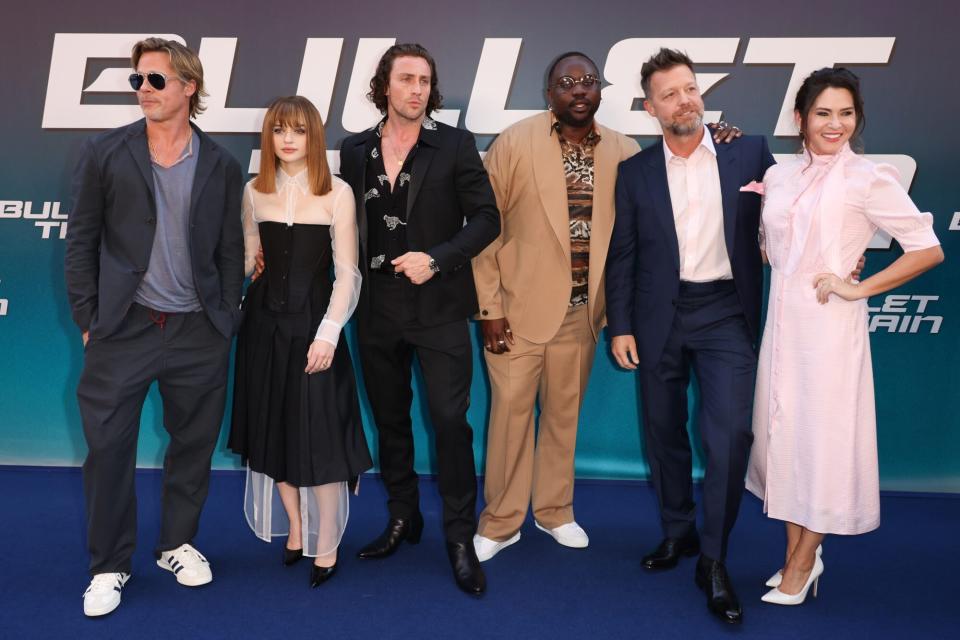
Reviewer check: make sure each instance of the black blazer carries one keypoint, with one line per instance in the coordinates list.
(448, 186)
(113, 220)
(643, 264)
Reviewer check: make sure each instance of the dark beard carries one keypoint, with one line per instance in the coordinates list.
(569, 119)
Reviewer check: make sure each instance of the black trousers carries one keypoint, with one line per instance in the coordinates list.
(188, 358)
(709, 335)
(388, 338)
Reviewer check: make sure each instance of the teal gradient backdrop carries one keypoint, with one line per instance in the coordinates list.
(910, 101)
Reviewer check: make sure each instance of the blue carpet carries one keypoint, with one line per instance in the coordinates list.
(896, 582)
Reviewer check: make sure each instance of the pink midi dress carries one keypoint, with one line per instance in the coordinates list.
(814, 456)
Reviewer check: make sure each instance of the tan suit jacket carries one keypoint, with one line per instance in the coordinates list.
(525, 274)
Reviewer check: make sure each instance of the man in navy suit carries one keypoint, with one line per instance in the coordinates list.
(154, 268)
(684, 280)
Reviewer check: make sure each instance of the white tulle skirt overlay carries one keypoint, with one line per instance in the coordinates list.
(324, 511)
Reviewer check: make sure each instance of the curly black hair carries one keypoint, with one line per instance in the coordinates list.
(381, 79)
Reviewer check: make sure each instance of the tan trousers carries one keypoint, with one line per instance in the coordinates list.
(519, 466)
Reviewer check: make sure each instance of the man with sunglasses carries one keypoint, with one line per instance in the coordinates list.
(154, 270)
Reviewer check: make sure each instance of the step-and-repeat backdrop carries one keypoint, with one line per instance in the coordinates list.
(63, 70)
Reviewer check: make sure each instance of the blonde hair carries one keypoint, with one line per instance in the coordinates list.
(294, 111)
(183, 60)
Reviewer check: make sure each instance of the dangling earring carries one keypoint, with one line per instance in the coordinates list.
(550, 107)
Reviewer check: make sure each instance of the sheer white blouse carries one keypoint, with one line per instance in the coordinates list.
(293, 203)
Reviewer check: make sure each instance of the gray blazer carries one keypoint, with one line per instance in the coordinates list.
(113, 220)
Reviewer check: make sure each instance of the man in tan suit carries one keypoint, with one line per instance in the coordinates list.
(540, 287)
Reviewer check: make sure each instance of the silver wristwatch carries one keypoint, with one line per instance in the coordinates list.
(434, 266)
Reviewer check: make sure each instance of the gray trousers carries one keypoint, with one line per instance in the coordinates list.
(188, 358)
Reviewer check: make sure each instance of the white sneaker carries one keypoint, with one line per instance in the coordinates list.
(569, 535)
(487, 548)
(103, 594)
(187, 564)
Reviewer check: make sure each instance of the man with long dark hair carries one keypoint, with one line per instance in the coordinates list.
(424, 209)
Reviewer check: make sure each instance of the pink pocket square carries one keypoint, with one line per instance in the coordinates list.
(753, 187)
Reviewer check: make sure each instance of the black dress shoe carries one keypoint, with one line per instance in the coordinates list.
(290, 556)
(722, 601)
(667, 555)
(466, 567)
(398, 530)
(319, 575)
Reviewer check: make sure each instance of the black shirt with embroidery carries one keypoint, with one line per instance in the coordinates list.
(386, 206)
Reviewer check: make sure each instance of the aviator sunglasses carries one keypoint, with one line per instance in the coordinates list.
(156, 79)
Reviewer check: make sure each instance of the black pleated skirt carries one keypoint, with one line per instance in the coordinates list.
(304, 429)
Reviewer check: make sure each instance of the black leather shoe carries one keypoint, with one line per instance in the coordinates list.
(466, 567)
(290, 556)
(667, 555)
(722, 601)
(398, 530)
(319, 575)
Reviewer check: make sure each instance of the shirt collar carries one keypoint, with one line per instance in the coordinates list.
(299, 180)
(592, 138)
(706, 141)
(428, 129)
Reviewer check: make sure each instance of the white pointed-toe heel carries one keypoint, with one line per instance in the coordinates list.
(775, 596)
(774, 580)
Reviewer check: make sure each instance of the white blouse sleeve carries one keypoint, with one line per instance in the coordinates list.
(251, 233)
(345, 245)
(890, 208)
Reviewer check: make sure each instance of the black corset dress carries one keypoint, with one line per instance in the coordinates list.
(304, 429)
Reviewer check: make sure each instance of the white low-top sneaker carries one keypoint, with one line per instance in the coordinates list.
(487, 548)
(103, 594)
(187, 564)
(569, 535)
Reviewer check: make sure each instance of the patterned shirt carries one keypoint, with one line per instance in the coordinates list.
(386, 206)
(578, 169)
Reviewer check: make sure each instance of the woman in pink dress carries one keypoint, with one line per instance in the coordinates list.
(814, 456)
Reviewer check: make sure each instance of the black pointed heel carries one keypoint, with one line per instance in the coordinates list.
(319, 575)
(291, 556)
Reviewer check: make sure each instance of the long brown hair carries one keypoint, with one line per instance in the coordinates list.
(294, 111)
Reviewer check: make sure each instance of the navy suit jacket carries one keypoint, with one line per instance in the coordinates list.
(113, 221)
(643, 264)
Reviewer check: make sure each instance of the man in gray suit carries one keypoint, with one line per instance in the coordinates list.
(154, 270)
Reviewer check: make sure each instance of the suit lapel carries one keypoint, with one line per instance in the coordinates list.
(206, 162)
(659, 190)
(356, 162)
(427, 144)
(728, 165)
(606, 157)
(552, 184)
(137, 145)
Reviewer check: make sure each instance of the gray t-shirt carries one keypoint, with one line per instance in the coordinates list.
(168, 284)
